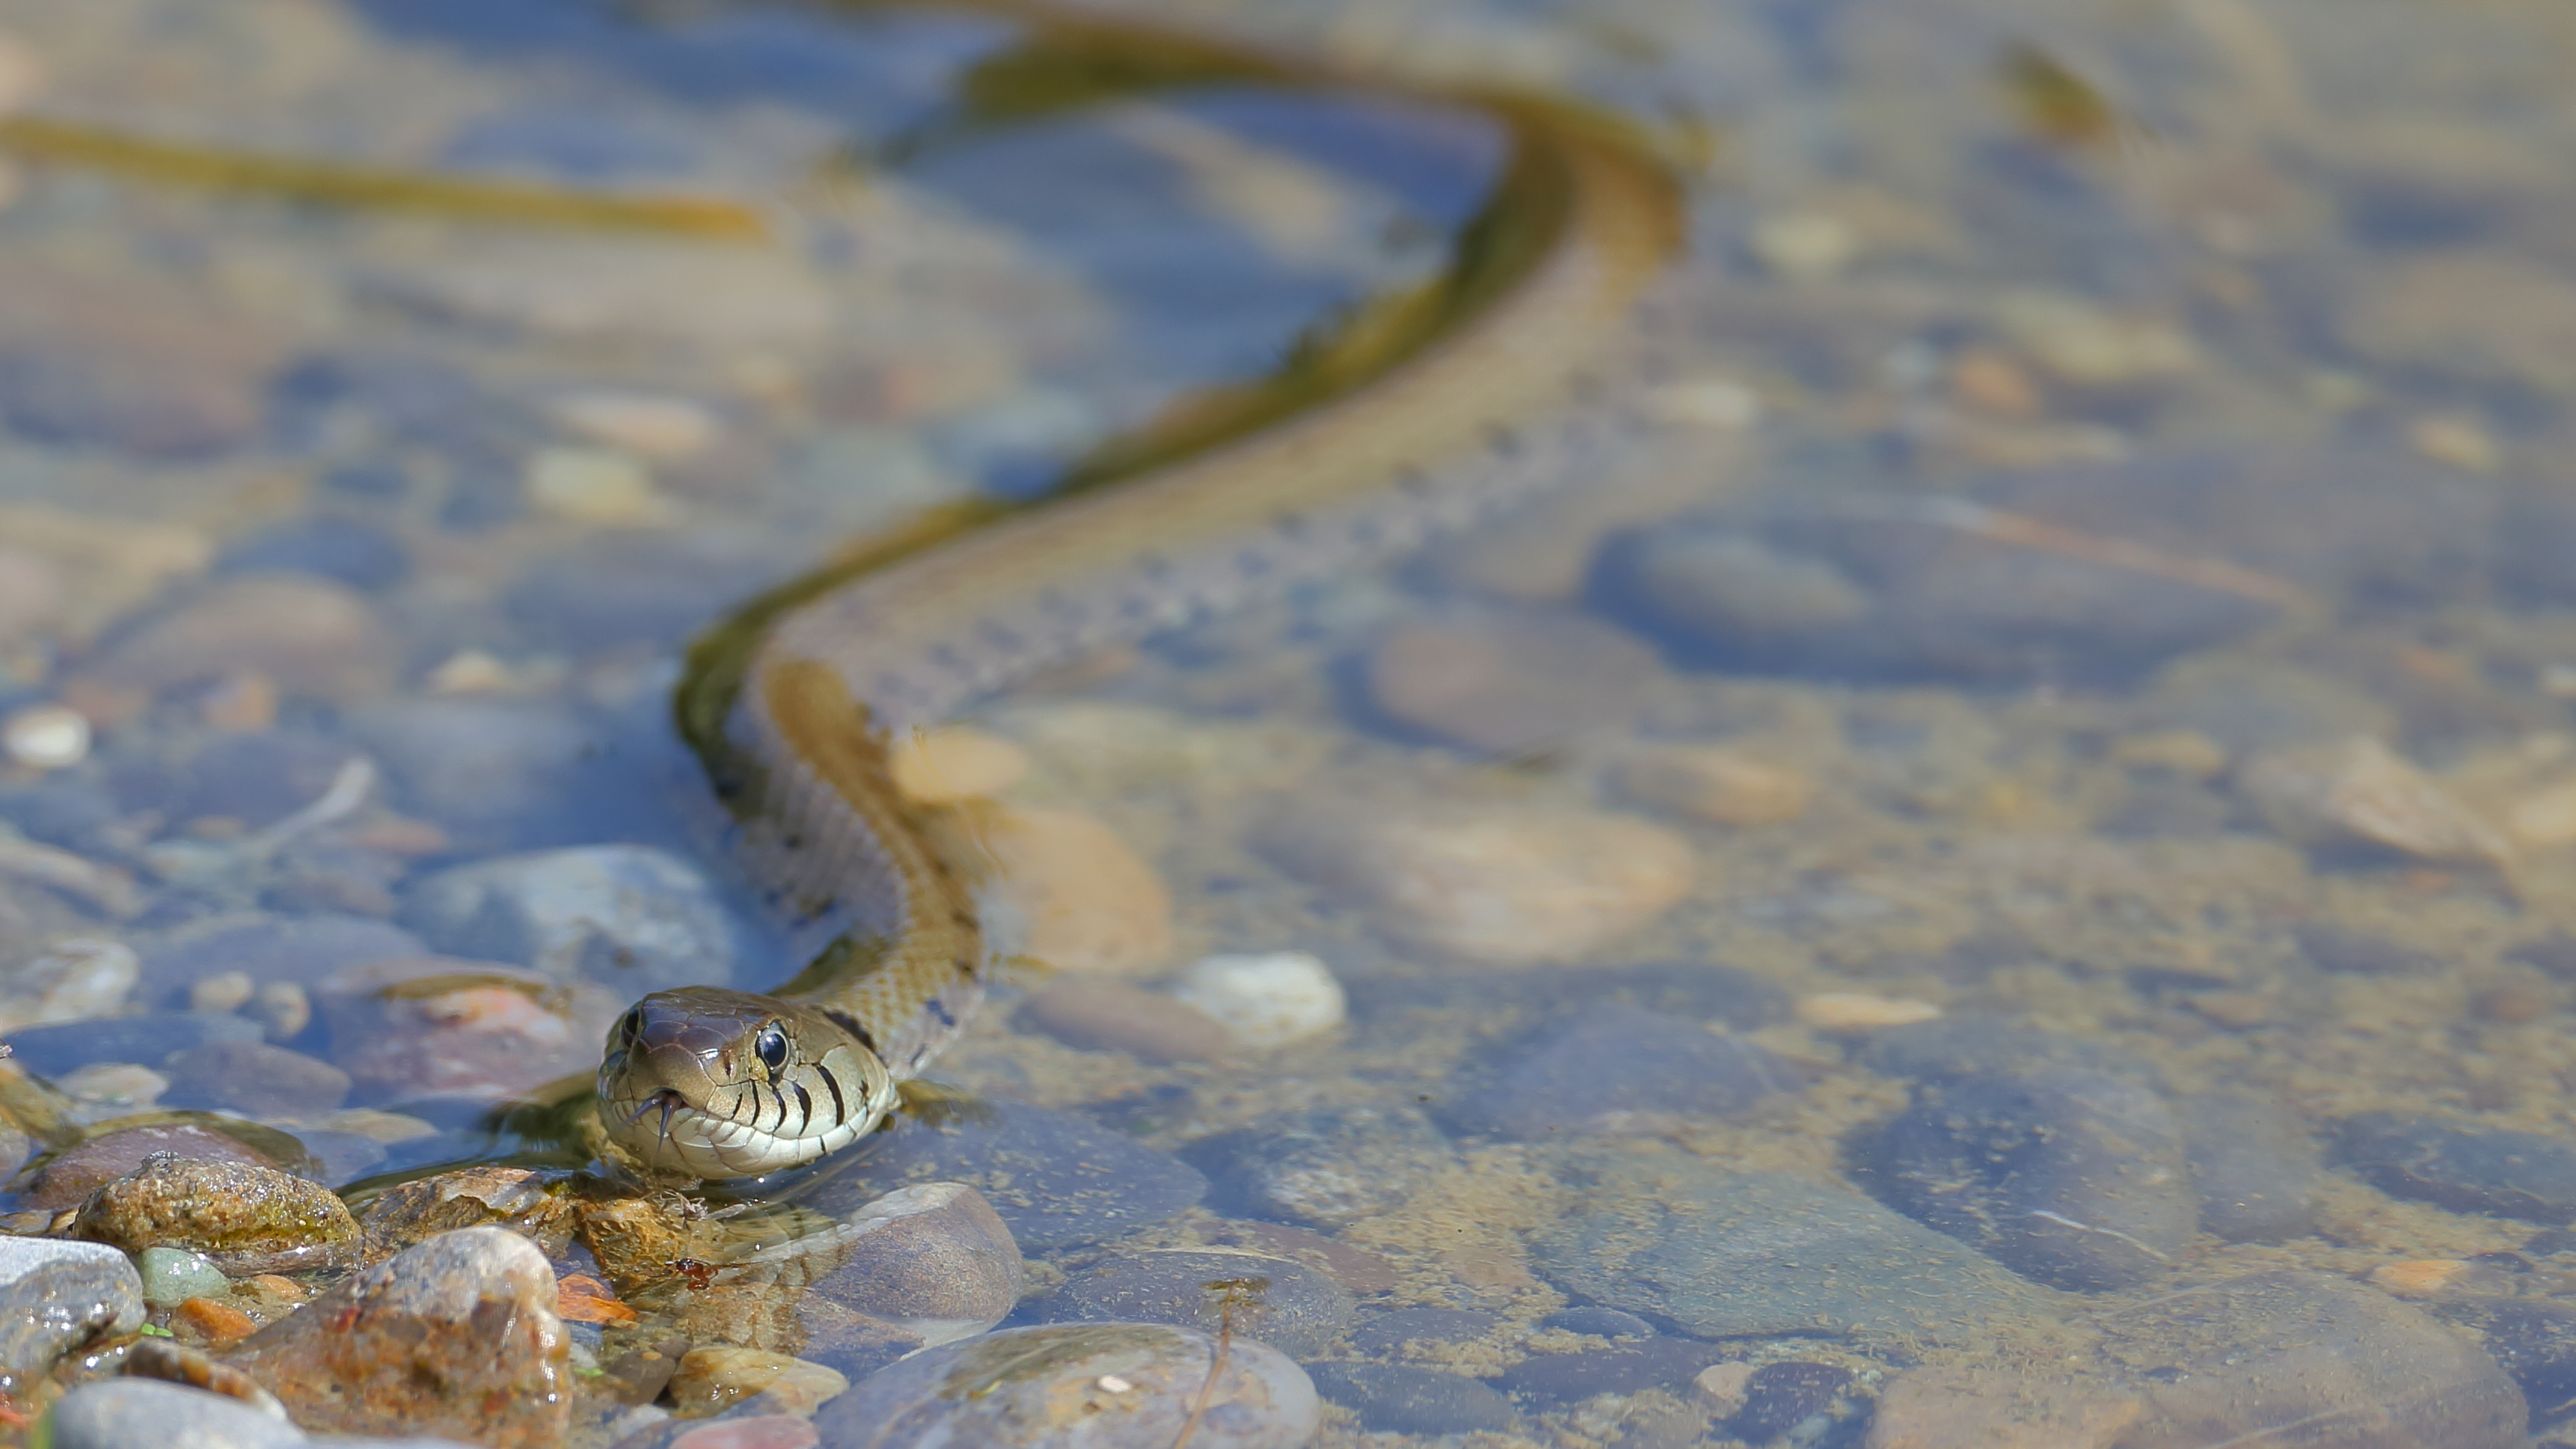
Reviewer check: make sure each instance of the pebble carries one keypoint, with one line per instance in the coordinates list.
(1802, 246)
(58, 1297)
(1501, 885)
(266, 949)
(1091, 1385)
(1719, 1388)
(1393, 1398)
(520, 1199)
(494, 768)
(1615, 1069)
(1782, 1397)
(432, 1027)
(30, 587)
(46, 736)
(621, 587)
(255, 1079)
(2074, 341)
(2427, 1277)
(456, 1336)
(1945, 1407)
(2358, 792)
(2076, 1179)
(1508, 686)
(122, 1413)
(244, 1217)
(307, 635)
(1956, 1046)
(1623, 1368)
(2462, 1166)
(1098, 1013)
(71, 1175)
(2253, 1166)
(2474, 313)
(74, 980)
(129, 360)
(1284, 1304)
(636, 918)
(346, 551)
(1720, 1254)
(2348, 952)
(1715, 783)
(117, 1083)
(2287, 1356)
(713, 1379)
(1860, 1011)
(1325, 1167)
(2532, 1340)
(1265, 1001)
(171, 1276)
(953, 764)
(1056, 1179)
(1429, 1330)
(211, 1322)
(648, 425)
(1598, 1323)
(1075, 896)
(933, 1258)
(60, 1048)
(594, 486)
(256, 779)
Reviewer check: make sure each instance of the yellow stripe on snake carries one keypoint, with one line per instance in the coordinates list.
(792, 702)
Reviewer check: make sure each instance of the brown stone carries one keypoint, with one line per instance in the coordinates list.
(524, 1201)
(934, 1258)
(1954, 1408)
(307, 636)
(1103, 1014)
(247, 1217)
(712, 1380)
(81, 1170)
(1084, 900)
(1716, 784)
(254, 1078)
(215, 1324)
(1509, 686)
(434, 1026)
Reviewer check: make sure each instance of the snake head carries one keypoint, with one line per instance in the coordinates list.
(723, 1084)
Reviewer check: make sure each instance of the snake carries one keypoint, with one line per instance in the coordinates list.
(794, 702)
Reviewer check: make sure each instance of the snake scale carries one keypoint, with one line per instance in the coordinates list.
(793, 701)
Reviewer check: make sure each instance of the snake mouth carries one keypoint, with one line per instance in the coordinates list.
(667, 1132)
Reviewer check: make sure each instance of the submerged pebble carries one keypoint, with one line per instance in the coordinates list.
(2253, 1166)
(1326, 1167)
(254, 1078)
(632, 916)
(1612, 1069)
(1093, 1012)
(1394, 1398)
(306, 635)
(1076, 896)
(1265, 1001)
(1284, 1304)
(2462, 1166)
(428, 1027)
(1056, 1179)
(46, 736)
(1508, 686)
(2359, 792)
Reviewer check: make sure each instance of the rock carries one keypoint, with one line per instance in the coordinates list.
(2357, 792)
(1598, 1323)
(507, 769)
(255, 1079)
(457, 1336)
(430, 1027)
(1957, 1046)
(2252, 1166)
(1401, 1399)
(1802, 246)
(2073, 1178)
(1325, 1167)
(1092, 1385)
(1714, 783)
(57, 1298)
(2356, 953)
(636, 918)
(2463, 1167)
(1854, 1011)
(2077, 343)
(1508, 686)
(1719, 1388)
(2532, 1340)
(525, 1202)
(714, 1379)
(30, 589)
(1721, 1255)
(245, 1218)
(954, 763)
(1097, 1013)
(2300, 1356)
(74, 980)
(595, 486)
(1779, 1397)
(46, 736)
(1056, 1179)
(172, 1276)
(1612, 1069)
(129, 360)
(255, 779)
(1500, 885)
(1287, 1305)
(2481, 315)
(307, 636)
(933, 1258)
(1625, 1368)
(649, 425)
(1428, 1330)
(345, 551)
(303, 950)
(1265, 1001)
(1944, 1407)
(119, 1084)
(60, 1049)
(72, 1174)
(2421, 1278)
(122, 1413)
(1076, 896)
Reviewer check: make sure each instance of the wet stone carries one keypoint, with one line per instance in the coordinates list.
(495, 769)
(2073, 1178)
(638, 918)
(1395, 1398)
(430, 1028)
(123, 1413)
(1616, 1069)
(1781, 1396)
(519, 1199)
(2348, 952)
(255, 779)
(2462, 1166)
(1284, 1304)
(1093, 1012)
(1954, 1046)
(57, 1050)
(1056, 1179)
(456, 1336)
(172, 1276)
(57, 1297)
(244, 1218)
(1598, 1323)
(303, 634)
(343, 550)
(74, 1173)
(303, 950)
(1327, 1167)
(2253, 1166)
(1720, 1254)
(1943, 1407)
(253, 1078)
(2533, 1340)
(1623, 1368)
(711, 1380)
(1391, 1333)
(933, 1258)
(1508, 686)
(1092, 1385)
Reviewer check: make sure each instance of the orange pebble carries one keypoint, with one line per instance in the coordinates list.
(580, 1298)
(277, 1285)
(2420, 1278)
(220, 1324)
(1990, 383)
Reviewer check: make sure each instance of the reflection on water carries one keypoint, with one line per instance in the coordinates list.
(1995, 869)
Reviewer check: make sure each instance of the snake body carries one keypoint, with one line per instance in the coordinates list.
(793, 702)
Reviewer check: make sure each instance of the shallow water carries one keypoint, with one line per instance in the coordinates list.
(1995, 868)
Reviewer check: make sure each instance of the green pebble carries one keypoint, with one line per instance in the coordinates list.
(171, 1276)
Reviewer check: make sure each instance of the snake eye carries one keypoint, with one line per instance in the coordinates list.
(772, 1048)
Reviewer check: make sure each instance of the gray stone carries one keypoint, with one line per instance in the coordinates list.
(933, 1257)
(1394, 1398)
(1079, 1386)
(172, 1276)
(125, 1413)
(256, 779)
(1958, 1046)
(431, 1027)
(2532, 1339)
(255, 1078)
(495, 769)
(1598, 1323)
(2348, 952)
(2462, 1166)
(1508, 686)
(1622, 1368)
(1285, 1304)
(2253, 1165)
(65, 1178)
(1391, 1333)
(344, 550)
(1327, 1167)
(1723, 1255)
(56, 1297)
(2073, 1178)
(303, 950)
(632, 916)
(52, 1051)
(1613, 1069)
(1056, 1179)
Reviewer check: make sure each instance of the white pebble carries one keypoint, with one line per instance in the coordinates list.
(47, 736)
(120, 1084)
(594, 485)
(1265, 1001)
(649, 424)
